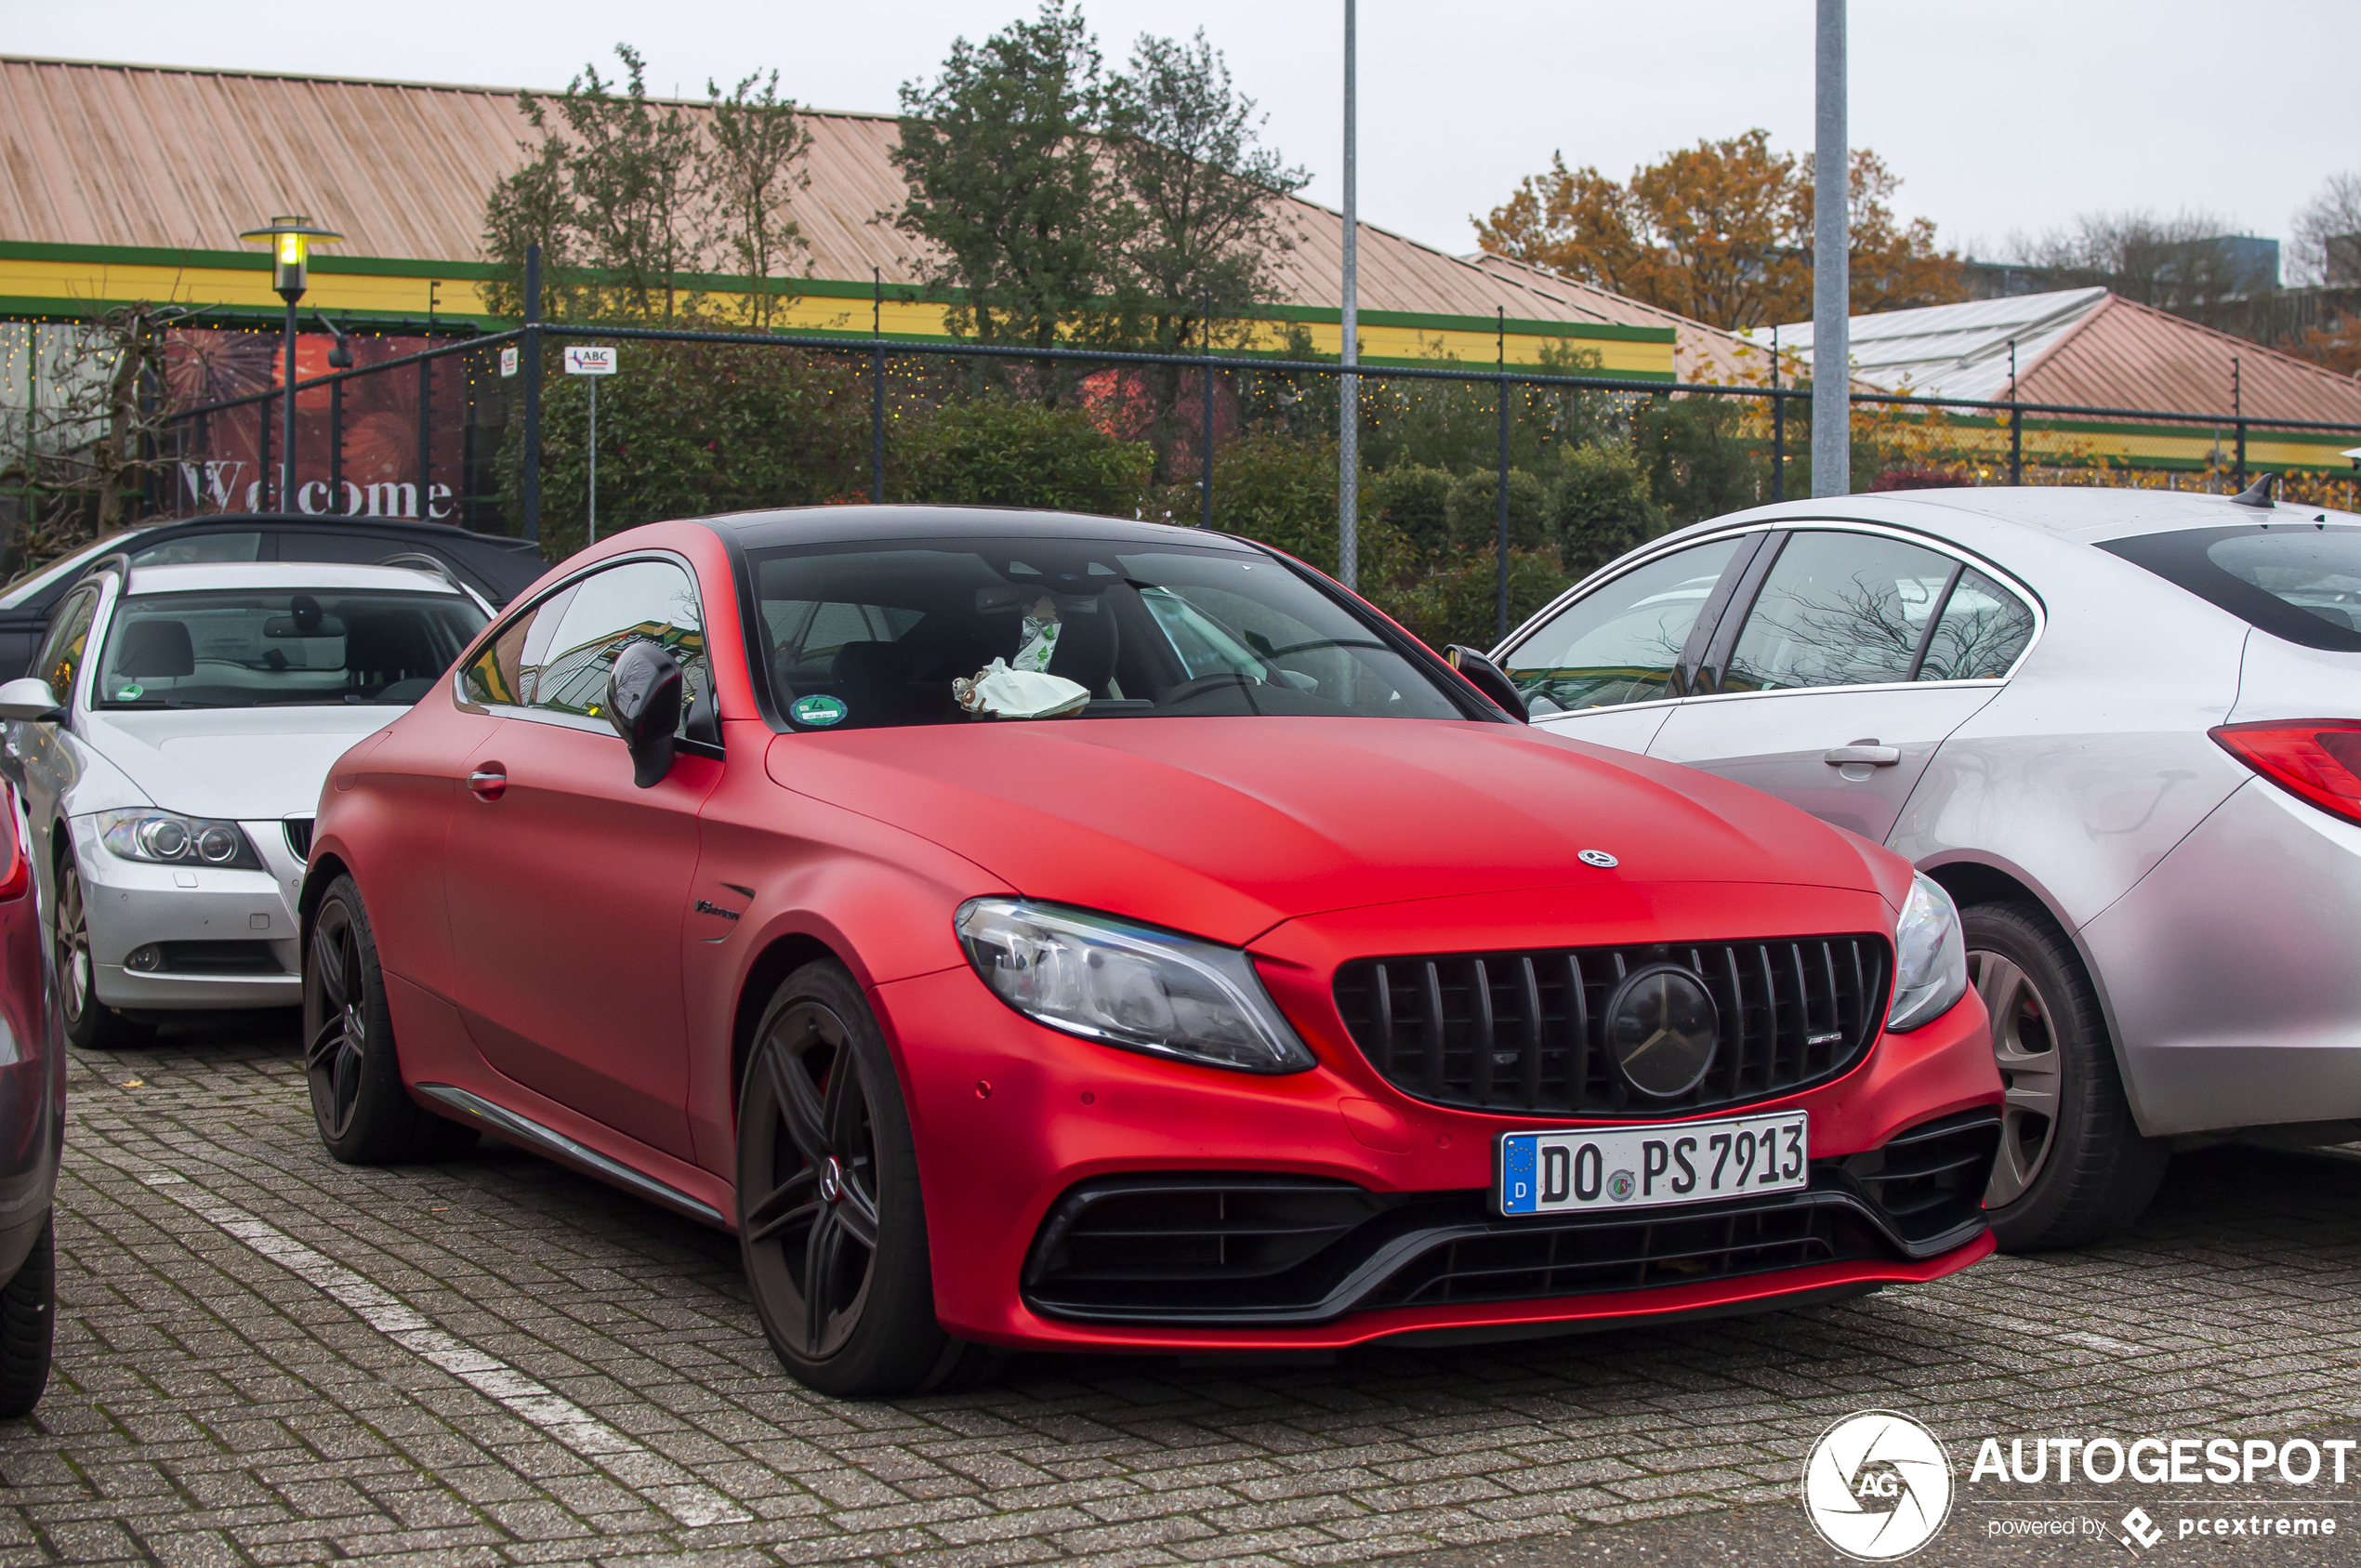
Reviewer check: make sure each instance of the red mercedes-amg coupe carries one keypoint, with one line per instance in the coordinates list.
(1041, 931)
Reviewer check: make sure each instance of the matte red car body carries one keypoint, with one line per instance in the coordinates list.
(1304, 840)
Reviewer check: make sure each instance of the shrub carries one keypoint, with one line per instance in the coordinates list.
(1007, 452)
(1413, 501)
(1474, 515)
(1282, 490)
(1457, 600)
(1599, 505)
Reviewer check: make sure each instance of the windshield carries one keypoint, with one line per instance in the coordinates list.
(256, 649)
(942, 632)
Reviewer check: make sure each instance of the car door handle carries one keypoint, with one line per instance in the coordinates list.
(489, 781)
(1862, 752)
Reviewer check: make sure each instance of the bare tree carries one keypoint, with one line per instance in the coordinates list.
(2327, 233)
(2174, 263)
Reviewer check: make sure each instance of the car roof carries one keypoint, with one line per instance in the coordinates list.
(2081, 514)
(279, 576)
(830, 525)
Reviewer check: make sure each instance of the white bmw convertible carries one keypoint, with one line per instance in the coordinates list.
(170, 745)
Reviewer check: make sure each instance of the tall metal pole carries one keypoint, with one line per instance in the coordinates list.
(1349, 409)
(877, 387)
(1205, 437)
(1501, 499)
(286, 456)
(426, 411)
(1778, 427)
(594, 460)
(530, 502)
(1831, 282)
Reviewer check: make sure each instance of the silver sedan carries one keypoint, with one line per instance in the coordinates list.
(2121, 728)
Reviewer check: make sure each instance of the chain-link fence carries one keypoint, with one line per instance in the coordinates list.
(1483, 491)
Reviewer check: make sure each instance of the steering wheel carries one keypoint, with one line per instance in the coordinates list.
(1203, 683)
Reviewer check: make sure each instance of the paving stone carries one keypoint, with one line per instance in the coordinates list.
(211, 1407)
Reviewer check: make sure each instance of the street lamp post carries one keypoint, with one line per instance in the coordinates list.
(291, 242)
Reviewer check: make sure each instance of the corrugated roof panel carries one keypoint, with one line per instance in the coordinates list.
(119, 155)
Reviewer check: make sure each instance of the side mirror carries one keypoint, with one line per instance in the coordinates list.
(31, 699)
(1488, 678)
(644, 704)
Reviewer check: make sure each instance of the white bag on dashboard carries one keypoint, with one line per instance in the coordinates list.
(998, 691)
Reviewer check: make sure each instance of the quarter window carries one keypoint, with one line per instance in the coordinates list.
(60, 655)
(1837, 609)
(1982, 629)
(1621, 643)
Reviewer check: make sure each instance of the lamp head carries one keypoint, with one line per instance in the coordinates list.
(291, 240)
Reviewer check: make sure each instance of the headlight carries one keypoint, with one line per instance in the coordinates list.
(1931, 958)
(1128, 986)
(169, 839)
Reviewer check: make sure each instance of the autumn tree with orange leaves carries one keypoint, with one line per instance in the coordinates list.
(1721, 233)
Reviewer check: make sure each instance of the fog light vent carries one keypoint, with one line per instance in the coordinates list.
(146, 960)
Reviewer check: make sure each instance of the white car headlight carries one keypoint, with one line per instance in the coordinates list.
(1931, 957)
(1133, 986)
(170, 838)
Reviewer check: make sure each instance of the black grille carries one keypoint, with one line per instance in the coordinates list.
(1527, 1032)
(1240, 1248)
(1929, 1181)
(298, 831)
(1672, 1248)
(217, 958)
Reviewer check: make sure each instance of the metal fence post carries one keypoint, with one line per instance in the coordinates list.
(1205, 434)
(262, 465)
(1778, 427)
(876, 386)
(1500, 506)
(529, 500)
(335, 449)
(2016, 422)
(2239, 412)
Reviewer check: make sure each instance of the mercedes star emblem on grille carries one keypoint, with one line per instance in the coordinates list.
(1661, 1025)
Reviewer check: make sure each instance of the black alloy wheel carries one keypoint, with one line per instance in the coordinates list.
(364, 1115)
(829, 1217)
(90, 1024)
(2072, 1165)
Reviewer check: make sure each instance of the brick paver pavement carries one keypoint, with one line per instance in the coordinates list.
(267, 1357)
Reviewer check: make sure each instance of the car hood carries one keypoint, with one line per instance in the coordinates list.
(245, 763)
(1226, 827)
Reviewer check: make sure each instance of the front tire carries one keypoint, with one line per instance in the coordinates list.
(29, 1326)
(365, 1116)
(2072, 1165)
(90, 1024)
(830, 1221)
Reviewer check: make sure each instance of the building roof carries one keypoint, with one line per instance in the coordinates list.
(160, 159)
(2086, 347)
(1700, 352)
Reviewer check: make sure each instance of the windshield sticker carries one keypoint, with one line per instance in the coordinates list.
(129, 693)
(817, 710)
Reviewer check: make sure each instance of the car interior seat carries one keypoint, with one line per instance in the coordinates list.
(1088, 644)
(157, 649)
(875, 678)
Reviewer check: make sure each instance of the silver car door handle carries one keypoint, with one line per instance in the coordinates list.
(1861, 752)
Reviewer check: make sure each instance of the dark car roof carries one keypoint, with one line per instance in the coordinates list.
(828, 525)
(500, 568)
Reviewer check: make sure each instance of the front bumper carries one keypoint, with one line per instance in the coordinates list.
(1011, 1117)
(232, 924)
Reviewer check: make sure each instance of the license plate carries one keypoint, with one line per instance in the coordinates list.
(1652, 1167)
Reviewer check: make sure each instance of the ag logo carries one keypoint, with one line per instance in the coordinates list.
(1877, 1486)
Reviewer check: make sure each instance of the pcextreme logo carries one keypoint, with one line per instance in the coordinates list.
(1877, 1486)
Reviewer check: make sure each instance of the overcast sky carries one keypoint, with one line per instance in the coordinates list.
(2002, 115)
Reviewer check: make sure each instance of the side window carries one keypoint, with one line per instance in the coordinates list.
(1982, 629)
(63, 645)
(604, 613)
(1621, 642)
(1837, 609)
(500, 676)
